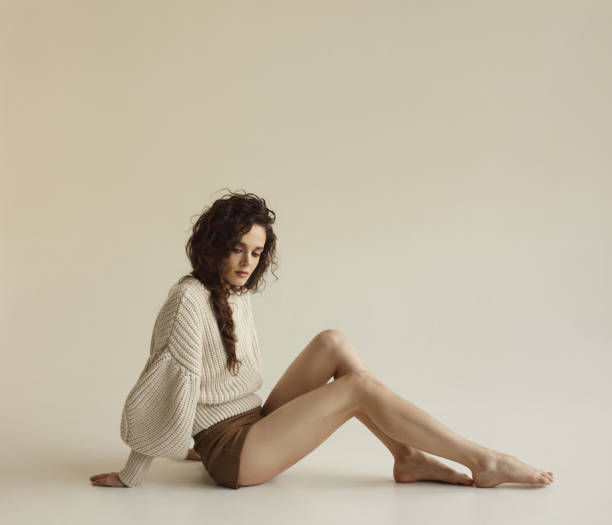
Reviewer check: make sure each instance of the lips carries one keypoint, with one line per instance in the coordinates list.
(242, 274)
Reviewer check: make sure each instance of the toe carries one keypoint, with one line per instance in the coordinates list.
(469, 481)
(465, 480)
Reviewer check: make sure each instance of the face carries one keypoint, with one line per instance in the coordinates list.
(244, 257)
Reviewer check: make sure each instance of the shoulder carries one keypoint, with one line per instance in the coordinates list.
(186, 307)
(191, 284)
(182, 322)
(189, 292)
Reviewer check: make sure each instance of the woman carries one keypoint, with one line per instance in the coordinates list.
(204, 368)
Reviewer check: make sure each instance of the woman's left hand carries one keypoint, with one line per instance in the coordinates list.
(110, 479)
(192, 454)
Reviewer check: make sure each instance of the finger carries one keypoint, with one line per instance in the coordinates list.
(100, 481)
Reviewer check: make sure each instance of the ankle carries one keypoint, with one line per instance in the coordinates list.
(404, 452)
(481, 458)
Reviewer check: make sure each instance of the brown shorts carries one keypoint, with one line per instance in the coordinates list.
(220, 445)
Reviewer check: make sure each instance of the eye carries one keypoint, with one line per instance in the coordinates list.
(238, 250)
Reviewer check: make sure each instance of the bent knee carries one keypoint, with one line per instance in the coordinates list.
(332, 337)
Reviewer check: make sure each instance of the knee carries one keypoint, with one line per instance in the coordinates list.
(364, 385)
(337, 346)
(333, 344)
(332, 338)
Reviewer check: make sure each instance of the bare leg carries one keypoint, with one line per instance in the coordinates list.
(294, 429)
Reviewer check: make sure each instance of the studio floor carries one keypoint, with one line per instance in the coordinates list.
(346, 480)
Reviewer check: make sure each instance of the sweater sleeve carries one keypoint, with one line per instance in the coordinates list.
(135, 468)
(158, 414)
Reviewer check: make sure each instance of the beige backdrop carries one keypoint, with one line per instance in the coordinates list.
(441, 173)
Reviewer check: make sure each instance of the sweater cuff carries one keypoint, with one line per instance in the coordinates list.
(135, 468)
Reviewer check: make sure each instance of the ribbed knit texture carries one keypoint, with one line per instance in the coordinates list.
(185, 385)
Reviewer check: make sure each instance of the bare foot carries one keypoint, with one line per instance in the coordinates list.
(503, 468)
(418, 466)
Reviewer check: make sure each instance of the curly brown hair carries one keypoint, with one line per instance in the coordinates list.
(215, 232)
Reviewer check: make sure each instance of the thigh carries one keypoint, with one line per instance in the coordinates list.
(286, 435)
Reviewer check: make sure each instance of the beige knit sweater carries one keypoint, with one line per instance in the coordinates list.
(185, 385)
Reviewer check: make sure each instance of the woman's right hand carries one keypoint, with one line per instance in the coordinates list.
(111, 479)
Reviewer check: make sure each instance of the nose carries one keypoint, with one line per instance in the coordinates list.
(246, 261)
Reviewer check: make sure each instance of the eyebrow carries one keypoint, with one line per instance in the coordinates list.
(258, 248)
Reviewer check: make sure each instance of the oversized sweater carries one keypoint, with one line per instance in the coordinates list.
(185, 385)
